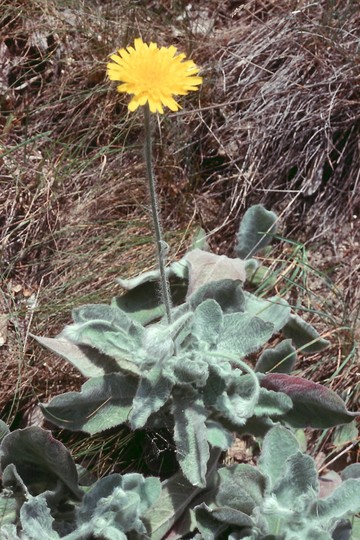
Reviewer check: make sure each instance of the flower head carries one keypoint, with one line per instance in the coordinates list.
(153, 75)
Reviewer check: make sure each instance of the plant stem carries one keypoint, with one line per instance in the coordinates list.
(161, 246)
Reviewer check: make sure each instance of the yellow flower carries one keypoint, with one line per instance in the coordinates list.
(153, 75)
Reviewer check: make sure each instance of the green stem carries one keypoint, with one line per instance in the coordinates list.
(161, 246)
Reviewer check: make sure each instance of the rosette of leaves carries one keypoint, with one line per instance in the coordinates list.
(279, 499)
(41, 496)
(190, 375)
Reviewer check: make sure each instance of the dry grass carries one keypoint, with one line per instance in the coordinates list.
(277, 122)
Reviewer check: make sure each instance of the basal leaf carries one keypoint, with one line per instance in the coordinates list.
(36, 520)
(40, 460)
(4, 430)
(281, 359)
(344, 501)
(279, 444)
(207, 323)
(218, 436)
(153, 392)
(89, 361)
(272, 403)
(228, 294)
(275, 310)
(314, 405)
(241, 487)
(243, 334)
(143, 303)
(256, 231)
(206, 267)
(305, 337)
(8, 508)
(190, 435)
(298, 483)
(102, 403)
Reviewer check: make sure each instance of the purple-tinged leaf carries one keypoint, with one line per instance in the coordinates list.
(314, 405)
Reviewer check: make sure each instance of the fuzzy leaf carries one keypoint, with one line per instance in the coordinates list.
(281, 359)
(143, 303)
(102, 403)
(36, 520)
(304, 335)
(176, 496)
(272, 403)
(40, 460)
(178, 269)
(218, 436)
(4, 430)
(255, 232)
(207, 325)
(117, 503)
(344, 501)
(274, 309)
(190, 435)
(314, 405)
(206, 267)
(243, 334)
(209, 527)
(299, 480)
(227, 293)
(8, 507)
(241, 487)
(89, 361)
(279, 445)
(153, 392)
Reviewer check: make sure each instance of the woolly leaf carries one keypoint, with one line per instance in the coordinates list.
(143, 303)
(243, 334)
(36, 520)
(304, 335)
(153, 392)
(176, 496)
(218, 436)
(190, 435)
(274, 309)
(209, 527)
(117, 503)
(89, 361)
(314, 405)
(227, 293)
(8, 509)
(256, 231)
(40, 460)
(344, 501)
(299, 479)
(281, 359)
(241, 487)
(207, 267)
(207, 325)
(4, 430)
(272, 403)
(279, 445)
(102, 403)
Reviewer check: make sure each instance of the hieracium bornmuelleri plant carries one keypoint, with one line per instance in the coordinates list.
(174, 352)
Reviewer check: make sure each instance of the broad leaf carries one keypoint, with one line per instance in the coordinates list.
(190, 436)
(344, 501)
(256, 231)
(281, 359)
(40, 460)
(4, 430)
(36, 520)
(305, 337)
(241, 487)
(272, 403)
(206, 267)
(243, 334)
(208, 320)
(153, 392)
(228, 294)
(275, 310)
(279, 445)
(314, 405)
(102, 403)
(89, 361)
(298, 483)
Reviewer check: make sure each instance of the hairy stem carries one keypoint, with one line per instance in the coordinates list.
(161, 246)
